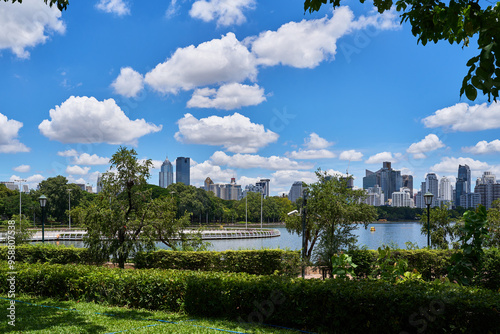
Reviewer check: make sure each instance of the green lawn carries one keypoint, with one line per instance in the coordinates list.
(43, 315)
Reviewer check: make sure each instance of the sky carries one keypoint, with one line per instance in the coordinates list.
(245, 88)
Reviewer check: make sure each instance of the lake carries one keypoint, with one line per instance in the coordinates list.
(385, 233)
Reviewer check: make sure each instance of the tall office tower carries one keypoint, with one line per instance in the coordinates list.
(295, 191)
(445, 189)
(488, 189)
(408, 183)
(99, 183)
(349, 181)
(208, 183)
(182, 170)
(166, 173)
(370, 179)
(401, 198)
(388, 179)
(432, 186)
(374, 196)
(463, 183)
(264, 183)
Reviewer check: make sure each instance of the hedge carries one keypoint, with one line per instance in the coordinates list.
(259, 262)
(331, 306)
(49, 253)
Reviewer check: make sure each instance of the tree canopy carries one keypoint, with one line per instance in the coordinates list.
(455, 21)
(61, 4)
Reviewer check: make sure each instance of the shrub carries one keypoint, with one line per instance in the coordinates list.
(49, 253)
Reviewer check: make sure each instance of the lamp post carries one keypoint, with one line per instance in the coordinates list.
(69, 205)
(246, 210)
(261, 196)
(428, 200)
(43, 202)
(20, 192)
(304, 203)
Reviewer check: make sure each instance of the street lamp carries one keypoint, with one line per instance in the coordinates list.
(69, 204)
(304, 203)
(20, 191)
(246, 210)
(428, 200)
(43, 202)
(261, 196)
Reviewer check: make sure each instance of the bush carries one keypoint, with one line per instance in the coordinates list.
(259, 262)
(49, 253)
(334, 306)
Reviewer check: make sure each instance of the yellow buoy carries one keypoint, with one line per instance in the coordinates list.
(372, 229)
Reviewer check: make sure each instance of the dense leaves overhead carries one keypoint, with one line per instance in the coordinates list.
(455, 22)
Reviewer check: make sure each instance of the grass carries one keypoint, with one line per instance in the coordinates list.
(44, 315)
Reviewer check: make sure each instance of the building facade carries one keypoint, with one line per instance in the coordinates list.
(408, 183)
(183, 170)
(488, 189)
(374, 196)
(462, 185)
(295, 191)
(388, 179)
(166, 174)
(432, 186)
(402, 198)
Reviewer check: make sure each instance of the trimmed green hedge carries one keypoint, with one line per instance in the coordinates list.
(259, 262)
(49, 253)
(333, 306)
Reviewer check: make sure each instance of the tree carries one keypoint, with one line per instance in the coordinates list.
(333, 211)
(493, 225)
(456, 22)
(61, 4)
(440, 226)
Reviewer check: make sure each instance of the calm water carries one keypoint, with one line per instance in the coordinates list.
(385, 233)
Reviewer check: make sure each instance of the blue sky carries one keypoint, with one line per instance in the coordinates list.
(245, 88)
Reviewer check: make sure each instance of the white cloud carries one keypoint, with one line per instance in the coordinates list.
(199, 172)
(227, 97)
(226, 12)
(315, 142)
(217, 61)
(307, 43)
(351, 155)
(256, 161)
(27, 25)
(282, 180)
(9, 130)
(68, 153)
(87, 120)
(236, 133)
(431, 142)
(462, 117)
(128, 83)
(91, 160)
(383, 156)
(77, 170)
(450, 165)
(483, 147)
(32, 180)
(118, 7)
(311, 154)
(22, 169)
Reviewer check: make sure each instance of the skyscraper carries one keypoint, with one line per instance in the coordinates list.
(445, 189)
(432, 186)
(388, 179)
(408, 183)
(182, 170)
(264, 183)
(488, 189)
(295, 191)
(463, 183)
(166, 173)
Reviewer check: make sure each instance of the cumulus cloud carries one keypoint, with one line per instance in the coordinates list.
(77, 170)
(200, 171)
(256, 161)
(87, 120)
(351, 155)
(227, 97)
(315, 142)
(91, 160)
(383, 156)
(22, 168)
(431, 142)
(236, 133)
(307, 43)
(223, 60)
(463, 117)
(9, 130)
(282, 180)
(27, 25)
(225, 12)
(32, 180)
(118, 7)
(68, 153)
(483, 147)
(311, 154)
(450, 165)
(128, 83)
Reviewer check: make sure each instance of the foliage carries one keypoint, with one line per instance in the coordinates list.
(42, 253)
(342, 266)
(442, 229)
(388, 267)
(391, 213)
(333, 212)
(455, 22)
(260, 262)
(23, 234)
(61, 4)
(468, 264)
(380, 307)
(493, 225)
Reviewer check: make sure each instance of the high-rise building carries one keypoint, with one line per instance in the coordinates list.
(463, 183)
(10, 185)
(227, 191)
(408, 183)
(402, 198)
(432, 186)
(264, 183)
(295, 191)
(374, 196)
(182, 170)
(388, 179)
(470, 200)
(166, 174)
(445, 189)
(488, 189)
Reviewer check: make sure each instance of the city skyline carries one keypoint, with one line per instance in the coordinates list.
(263, 91)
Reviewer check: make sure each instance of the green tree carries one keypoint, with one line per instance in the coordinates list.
(493, 225)
(61, 4)
(441, 226)
(455, 22)
(333, 212)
